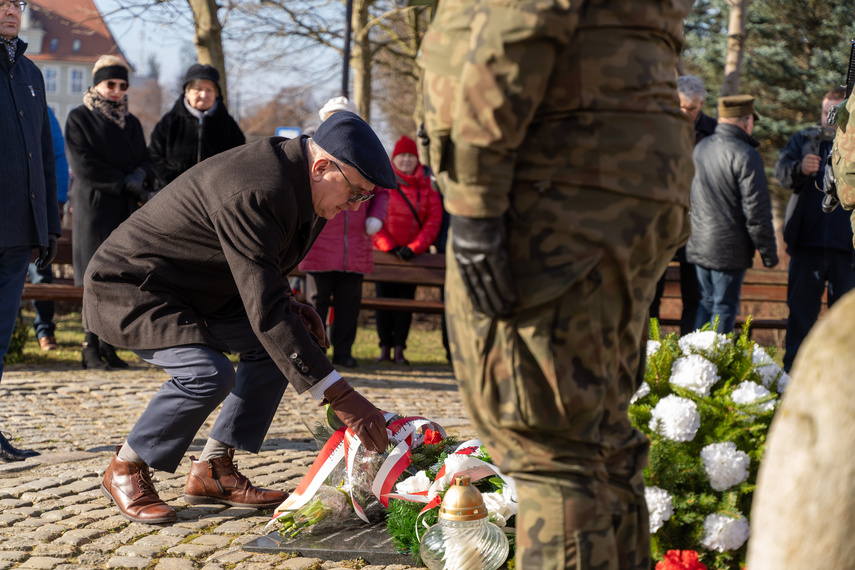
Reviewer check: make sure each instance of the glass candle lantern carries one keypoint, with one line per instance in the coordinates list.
(463, 539)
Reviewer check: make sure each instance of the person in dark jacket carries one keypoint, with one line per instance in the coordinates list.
(819, 244)
(692, 93)
(197, 127)
(731, 212)
(112, 177)
(202, 270)
(29, 216)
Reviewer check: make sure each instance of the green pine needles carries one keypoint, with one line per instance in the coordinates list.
(706, 404)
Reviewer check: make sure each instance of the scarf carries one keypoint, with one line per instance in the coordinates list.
(11, 47)
(115, 111)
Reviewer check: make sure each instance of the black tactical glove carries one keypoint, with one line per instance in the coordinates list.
(395, 250)
(360, 415)
(480, 248)
(135, 185)
(46, 254)
(830, 201)
(404, 253)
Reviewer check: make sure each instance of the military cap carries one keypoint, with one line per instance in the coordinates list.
(734, 106)
(349, 139)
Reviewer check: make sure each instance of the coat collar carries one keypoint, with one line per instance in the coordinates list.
(736, 131)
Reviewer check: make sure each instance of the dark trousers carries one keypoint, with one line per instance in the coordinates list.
(393, 327)
(201, 379)
(813, 271)
(13, 272)
(720, 293)
(43, 324)
(690, 294)
(345, 290)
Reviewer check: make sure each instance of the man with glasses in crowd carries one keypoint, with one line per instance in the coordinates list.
(29, 217)
(202, 270)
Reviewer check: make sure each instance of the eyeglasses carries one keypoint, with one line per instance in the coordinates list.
(360, 196)
(16, 5)
(120, 84)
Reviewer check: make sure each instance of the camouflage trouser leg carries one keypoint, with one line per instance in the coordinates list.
(548, 389)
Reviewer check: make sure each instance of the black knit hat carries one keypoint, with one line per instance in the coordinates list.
(199, 71)
(349, 139)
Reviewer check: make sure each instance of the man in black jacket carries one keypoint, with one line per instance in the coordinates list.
(820, 245)
(29, 216)
(731, 212)
(202, 270)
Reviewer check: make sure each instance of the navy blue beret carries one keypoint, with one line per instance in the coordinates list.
(349, 139)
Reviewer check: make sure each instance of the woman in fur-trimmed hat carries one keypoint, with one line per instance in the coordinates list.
(112, 176)
(197, 127)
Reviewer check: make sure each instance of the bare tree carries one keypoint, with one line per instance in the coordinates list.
(736, 35)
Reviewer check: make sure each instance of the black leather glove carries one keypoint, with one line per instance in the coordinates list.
(135, 185)
(312, 321)
(480, 248)
(47, 254)
(396, 250)
(404, 253)
(360, 415)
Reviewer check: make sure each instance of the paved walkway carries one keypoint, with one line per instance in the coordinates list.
(52, 512)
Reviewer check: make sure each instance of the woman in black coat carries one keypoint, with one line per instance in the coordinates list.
(198, 126)
(112, 175)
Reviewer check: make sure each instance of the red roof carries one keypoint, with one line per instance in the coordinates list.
(65, 21)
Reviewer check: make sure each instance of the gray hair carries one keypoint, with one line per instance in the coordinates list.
(692, 87)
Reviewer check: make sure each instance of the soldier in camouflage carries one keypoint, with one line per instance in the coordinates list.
(557, 140)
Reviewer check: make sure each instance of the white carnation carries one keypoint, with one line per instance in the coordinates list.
(760, 357)
(701, 340)
(695, 373)
(417, 483)
(724, 533)
(675, 418)
(499, 507)
(725, 465)
(642, 391)
(653, 347)
(749, 392)
(660, 507)
(783, 382)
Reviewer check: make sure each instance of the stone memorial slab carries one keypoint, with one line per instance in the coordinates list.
(369, 542)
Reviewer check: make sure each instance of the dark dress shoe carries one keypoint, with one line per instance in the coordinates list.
(130, 487)
(10, 453)
(218, 481)
(346, 361)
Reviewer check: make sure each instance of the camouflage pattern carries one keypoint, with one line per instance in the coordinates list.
(843, 155)
(564, 118)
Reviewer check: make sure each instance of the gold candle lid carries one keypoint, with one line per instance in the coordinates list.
(462, 502)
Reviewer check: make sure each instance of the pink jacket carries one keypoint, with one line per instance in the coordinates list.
(401, 227)
(343, 244)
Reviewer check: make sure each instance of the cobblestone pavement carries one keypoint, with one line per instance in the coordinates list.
(52, 512)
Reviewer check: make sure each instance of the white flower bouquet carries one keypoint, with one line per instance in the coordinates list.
(706, 403)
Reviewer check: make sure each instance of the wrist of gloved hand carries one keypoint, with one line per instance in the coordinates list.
(47, 253)
(360, 415)
(312, 321)
(481, 252)
(135, 185)
(396, 250)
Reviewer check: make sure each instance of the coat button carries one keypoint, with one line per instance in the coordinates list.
(304, 369)
(294, 356)
(30, 154)
(21, 113)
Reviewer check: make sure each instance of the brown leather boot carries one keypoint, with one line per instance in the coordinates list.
(219, 481)
(129, 485)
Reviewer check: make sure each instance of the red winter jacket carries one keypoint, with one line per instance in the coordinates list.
(343, 244)
(401, 228)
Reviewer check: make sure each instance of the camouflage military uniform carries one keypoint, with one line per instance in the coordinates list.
(563, 117)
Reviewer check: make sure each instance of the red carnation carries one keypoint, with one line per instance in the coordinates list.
(432, 437)
(680, 560)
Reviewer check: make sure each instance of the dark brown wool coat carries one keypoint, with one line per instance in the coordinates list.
(218, 241)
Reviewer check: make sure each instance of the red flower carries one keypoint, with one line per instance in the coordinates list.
(432, 437)
(680, 560)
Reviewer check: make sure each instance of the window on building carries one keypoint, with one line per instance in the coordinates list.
(75, 46)
(51, 80)
(54, 43)
(76, 81)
